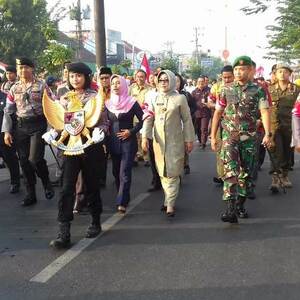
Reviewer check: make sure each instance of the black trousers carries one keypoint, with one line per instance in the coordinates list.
(90, 163)
(31, 150)
(11, 160)
(155, 177)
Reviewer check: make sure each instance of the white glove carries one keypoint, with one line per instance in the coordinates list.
(98, 135)
(50, 135)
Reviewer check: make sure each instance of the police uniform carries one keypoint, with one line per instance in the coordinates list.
(6, 86)
(281, 119)
(25, 100)
(9, 153)
(240, 106)
(90, 164)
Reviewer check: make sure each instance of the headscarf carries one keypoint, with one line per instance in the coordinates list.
(122, 103)
(172, 82)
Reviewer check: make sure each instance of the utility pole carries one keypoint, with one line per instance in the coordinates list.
(196, 44)
(100, 37)
(79, 30)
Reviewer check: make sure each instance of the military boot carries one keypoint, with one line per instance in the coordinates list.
(63, 240)
(94, 228)
(275, 185)
(30, 198)
(240, 209)
(230, 214)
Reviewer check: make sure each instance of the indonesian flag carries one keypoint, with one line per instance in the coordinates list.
(145, 66)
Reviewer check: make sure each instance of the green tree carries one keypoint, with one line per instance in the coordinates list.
(284, 35)
(26, 29)
(170, 63)
(194, 69)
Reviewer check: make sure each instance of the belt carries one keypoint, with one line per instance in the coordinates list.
(31, 119)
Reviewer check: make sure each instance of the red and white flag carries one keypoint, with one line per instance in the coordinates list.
(145, 66)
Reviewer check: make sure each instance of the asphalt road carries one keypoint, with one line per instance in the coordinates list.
(146, 256)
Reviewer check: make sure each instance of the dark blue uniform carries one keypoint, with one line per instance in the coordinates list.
(124, 151)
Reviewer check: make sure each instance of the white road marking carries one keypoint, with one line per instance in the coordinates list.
(73, 252)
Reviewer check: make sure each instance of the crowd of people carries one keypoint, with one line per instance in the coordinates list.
(153, 119)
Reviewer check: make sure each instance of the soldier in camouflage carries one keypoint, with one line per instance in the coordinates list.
(284, 95)
(239, 104)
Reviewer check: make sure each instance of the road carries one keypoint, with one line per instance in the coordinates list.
(143, 255)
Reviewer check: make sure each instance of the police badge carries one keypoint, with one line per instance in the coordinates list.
(73, 122)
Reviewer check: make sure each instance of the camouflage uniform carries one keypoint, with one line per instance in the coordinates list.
(241, 105)
(281, 120)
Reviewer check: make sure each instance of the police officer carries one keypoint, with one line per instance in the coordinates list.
(25, 99)
(9, 153)
(11, 79)
(284, 94)
(239, 104)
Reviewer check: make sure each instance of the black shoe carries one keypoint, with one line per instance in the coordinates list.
(251, 194)
(203, 146)
(14, 188)
(93, 230)
(154, 188)
(63, 240)
(187, 170)
(29, 200)
(217, 180)
(240, 209)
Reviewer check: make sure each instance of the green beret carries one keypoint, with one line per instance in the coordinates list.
(284, 66)
(24, 61)
(242, 61)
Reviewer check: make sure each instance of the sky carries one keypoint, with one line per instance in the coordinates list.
(149, 24)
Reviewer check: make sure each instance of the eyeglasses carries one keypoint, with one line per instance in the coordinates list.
(163, 80)
(104, 77)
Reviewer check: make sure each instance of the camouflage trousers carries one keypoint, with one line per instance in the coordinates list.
(220, 167)
(238, 158)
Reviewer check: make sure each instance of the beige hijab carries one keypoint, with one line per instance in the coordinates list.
(172, 82)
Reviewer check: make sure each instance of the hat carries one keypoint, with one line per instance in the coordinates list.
(105, 70)
(24, 61)
(242, 61)
(11, 69)
(50, 80)
(283, 66)
(79, 67)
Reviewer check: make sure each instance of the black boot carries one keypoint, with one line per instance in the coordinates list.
(49, 191)
(30, 198)
(63, 240)
(94, 228)
(230, 215)
(240, 209)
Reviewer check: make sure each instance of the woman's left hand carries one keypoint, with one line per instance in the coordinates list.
(188, 147)
(123, 134)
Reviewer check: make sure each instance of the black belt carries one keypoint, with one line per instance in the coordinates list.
(31, 119)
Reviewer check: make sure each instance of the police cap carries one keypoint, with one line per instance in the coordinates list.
(24, 61)
(79, 67)
(242, 61)
(11, 69)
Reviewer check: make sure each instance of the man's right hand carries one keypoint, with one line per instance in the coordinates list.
(8, 139)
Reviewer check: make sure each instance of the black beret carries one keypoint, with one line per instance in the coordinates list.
(105, 70)
(24, 61)
(79, 67)
(11, 69)
(227, 68)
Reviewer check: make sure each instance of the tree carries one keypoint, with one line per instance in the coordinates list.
(284, 42)
(170, 63)
(194, 70)
(28, 30)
